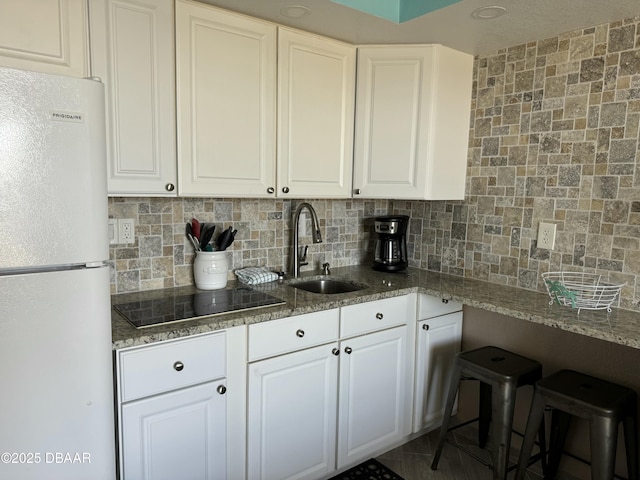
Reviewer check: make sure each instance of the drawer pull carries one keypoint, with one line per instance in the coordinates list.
(444, 300)
(178, 366)
(300, 333)
(379, 316)
(221, 389)
(348, 350)
(425, 327)
(336, 351)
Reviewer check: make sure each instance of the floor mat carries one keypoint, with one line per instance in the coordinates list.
(369, 470)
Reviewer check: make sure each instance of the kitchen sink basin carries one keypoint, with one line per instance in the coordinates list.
(327, 286)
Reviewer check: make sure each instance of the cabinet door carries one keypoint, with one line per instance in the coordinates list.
(316, 90)
(372, 400)
(292, 415)
(412, 122)
(438, 343)
(226, 72)
(181, 434)
(132, 47)
(48, 36)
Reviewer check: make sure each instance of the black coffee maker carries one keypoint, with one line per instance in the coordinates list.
(391, 243)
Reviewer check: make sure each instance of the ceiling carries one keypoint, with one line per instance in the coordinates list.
(453, 26)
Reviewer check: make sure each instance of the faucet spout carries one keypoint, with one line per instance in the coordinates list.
(316, 236)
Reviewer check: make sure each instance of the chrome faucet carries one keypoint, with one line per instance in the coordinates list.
(297, 259)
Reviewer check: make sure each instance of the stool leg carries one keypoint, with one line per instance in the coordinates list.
(630, 426)
(536, 414)
(484, 413)
(502, 415)
(453, 391)
(604, 438)
(559, 427)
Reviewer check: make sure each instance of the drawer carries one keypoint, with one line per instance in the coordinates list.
(372, 316)
(429, 306)
(292, 333)
(166, 366)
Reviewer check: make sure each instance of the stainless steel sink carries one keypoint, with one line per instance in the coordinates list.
(327, 286)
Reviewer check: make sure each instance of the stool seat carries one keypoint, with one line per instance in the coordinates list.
(500, 373)
(497, 364)
(604, 404)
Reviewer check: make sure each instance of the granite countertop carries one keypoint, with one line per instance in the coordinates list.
(619, 326)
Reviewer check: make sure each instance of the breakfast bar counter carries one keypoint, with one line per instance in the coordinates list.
(620, 326)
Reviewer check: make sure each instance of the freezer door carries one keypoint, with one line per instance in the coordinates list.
(53, 197)
(56, 406)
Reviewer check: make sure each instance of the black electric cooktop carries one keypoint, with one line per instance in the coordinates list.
(178, 308)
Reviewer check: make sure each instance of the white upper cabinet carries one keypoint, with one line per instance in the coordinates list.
(316, 91)
(47, 36)
(226, 101)
(132, 51)
(412, 122)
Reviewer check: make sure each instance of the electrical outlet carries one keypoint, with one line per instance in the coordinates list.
(546, 235)
(113, 231)
(126, 230)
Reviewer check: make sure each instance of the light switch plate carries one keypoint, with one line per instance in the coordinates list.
(547, 235)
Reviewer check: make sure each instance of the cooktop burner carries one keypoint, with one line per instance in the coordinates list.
(178, 308)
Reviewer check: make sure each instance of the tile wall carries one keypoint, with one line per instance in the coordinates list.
(554, 137)
(161, 256)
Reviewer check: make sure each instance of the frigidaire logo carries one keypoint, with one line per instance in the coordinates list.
(67, 116)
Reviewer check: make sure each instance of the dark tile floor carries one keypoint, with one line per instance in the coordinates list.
(413, 460)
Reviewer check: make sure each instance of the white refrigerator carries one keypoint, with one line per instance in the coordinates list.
(56, 388)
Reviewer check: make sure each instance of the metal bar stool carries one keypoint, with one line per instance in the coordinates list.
(603, 404)
(500, 373)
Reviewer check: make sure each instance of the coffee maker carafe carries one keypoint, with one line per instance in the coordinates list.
(391, 243)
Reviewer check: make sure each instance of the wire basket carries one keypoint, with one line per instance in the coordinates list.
(580, 290)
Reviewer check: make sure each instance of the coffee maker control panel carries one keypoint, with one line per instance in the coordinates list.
(390, 228)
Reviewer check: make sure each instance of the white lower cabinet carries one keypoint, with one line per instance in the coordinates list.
(179, 434)
(372, 399)
(325, 407)
(292, 415)
(181, 408)
(438, 342)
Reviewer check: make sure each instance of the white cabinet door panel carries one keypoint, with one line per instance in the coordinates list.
(438, 343)
(226, 74)
(372, 403)
(292, 415)
(316, 90)
(132, 45)
(48, 36)
(181, 434)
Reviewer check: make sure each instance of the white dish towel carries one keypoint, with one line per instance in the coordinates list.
(255, 275)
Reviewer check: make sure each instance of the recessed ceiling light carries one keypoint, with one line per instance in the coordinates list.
(489, 12)
(295, 11)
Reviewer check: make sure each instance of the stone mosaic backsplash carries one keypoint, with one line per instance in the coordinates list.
(162, 257)
(554, 132)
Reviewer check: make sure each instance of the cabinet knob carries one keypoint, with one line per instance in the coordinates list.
(425, 327)
(285, 189)
(178, 366)
(444, 300)
(379, 316)
(348, 350)
(300, 333)
(336, 351)
(271, 190)
(170, 187)
(221, 389)
(356, 191)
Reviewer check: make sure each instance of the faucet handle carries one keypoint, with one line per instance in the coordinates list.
(325, 268)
